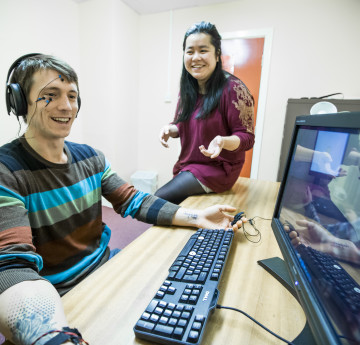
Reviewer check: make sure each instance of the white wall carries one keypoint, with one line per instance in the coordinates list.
(315, 52)
(122, 62)
(36, 26)
(103, 35)
(109, 83)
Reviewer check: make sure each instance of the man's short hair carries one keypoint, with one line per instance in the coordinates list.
(25, 70)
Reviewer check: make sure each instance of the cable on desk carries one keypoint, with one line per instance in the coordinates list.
(218, 306)
(257, 231)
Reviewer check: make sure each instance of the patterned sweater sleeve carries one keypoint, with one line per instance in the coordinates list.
(126, 200)
(237, 107)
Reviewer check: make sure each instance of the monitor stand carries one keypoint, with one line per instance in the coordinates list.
(277, 268)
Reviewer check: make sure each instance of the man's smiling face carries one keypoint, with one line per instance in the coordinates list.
(52, 105)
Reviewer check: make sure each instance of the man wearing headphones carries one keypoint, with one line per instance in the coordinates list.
(51, 230)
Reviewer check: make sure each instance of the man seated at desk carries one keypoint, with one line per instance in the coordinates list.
(51, 230)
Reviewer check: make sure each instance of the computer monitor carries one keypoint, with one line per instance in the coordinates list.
(318, 210)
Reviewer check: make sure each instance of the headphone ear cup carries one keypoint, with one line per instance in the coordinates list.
(79, 104)
(16, 100)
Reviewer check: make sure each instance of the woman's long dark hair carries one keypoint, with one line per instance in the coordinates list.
(189, 86)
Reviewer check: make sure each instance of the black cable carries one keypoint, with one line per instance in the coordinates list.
(260, 218)
(257, 231)
(218, 306)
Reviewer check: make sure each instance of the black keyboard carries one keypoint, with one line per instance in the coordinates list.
(338, 289)
(181, 307)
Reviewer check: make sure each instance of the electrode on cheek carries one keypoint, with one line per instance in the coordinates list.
(48, 101)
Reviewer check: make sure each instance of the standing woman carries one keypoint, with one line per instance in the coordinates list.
(214, 120)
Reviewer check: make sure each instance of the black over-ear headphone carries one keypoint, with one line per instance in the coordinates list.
(15, 97)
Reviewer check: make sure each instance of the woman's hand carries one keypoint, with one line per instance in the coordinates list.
(215, 147)
(219, 143)
(166, 132)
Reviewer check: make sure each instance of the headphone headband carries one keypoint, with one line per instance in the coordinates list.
(17, 62)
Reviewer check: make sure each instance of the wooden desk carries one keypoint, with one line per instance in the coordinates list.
(106, 306)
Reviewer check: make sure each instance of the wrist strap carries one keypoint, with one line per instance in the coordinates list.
(65, 334)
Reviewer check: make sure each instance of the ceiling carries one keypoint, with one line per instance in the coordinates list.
(156, 6)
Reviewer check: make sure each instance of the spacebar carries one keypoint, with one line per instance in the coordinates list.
(185, 251)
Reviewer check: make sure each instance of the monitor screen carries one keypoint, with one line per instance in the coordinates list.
(334, 144)
(317, 223)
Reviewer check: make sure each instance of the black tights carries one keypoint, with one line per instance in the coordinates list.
(180, 187)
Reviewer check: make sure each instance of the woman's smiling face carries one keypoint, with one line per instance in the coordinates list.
(200, 58)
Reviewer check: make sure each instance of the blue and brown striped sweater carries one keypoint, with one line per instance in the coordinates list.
(50, 214)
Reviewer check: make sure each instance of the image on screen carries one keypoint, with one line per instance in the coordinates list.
(329, 152)
(321, 213)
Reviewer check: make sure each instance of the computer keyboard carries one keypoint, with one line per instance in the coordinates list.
(178, 312)
(336, 285)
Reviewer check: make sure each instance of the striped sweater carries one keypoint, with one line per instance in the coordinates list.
(50, 214)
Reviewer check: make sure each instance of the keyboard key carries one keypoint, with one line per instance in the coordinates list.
(162, 304)
(168, 317)
(164, 330)
(179, 307)
(182, 323)
(163, 320)
(189, 308)
(180, 273)
(172, 322)
(145, 316)
(196, 326)
(167, 313)
(176, 314)
(178, 332)
(160, 294)
(171, 306)
(185, 315)
(171, 290)
(158, 311)
(154, 318)
(184, 298)
(202, 277)
(171, 275)
(193, 336)
(151, 307)
(214, 276)
(144, 326)
(193, 299)
(200, 318)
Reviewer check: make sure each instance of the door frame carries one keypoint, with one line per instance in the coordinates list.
(267, 34)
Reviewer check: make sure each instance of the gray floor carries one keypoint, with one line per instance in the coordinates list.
(123, 230)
